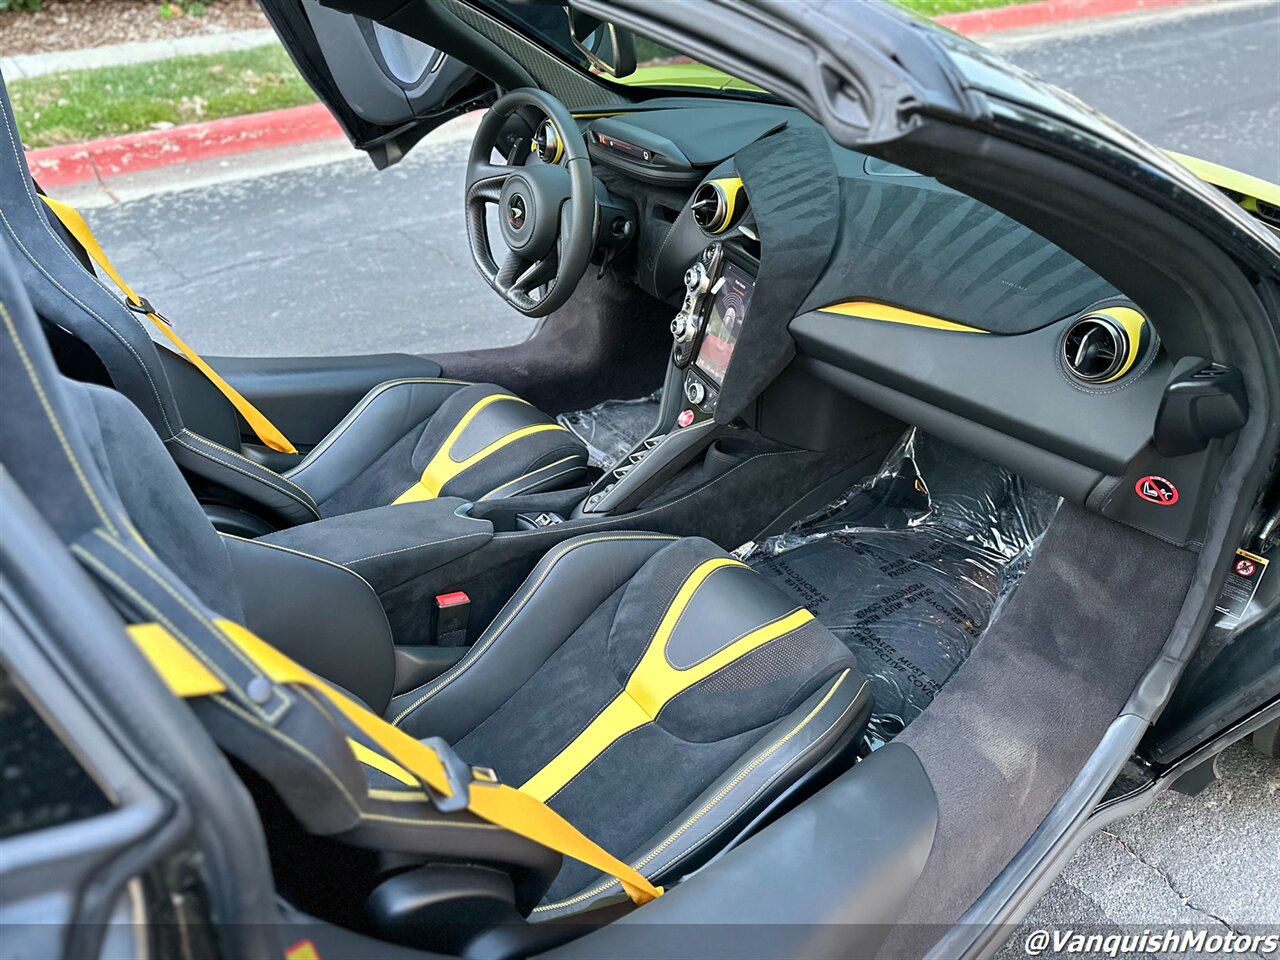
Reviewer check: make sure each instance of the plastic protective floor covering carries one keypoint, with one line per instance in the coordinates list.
(613, 428)
(910, 567)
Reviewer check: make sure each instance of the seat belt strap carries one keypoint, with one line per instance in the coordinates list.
(266, 431)
(501, 805)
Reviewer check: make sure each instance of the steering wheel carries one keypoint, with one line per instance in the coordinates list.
(546, 211)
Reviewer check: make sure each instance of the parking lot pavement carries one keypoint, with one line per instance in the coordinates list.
(337, 258)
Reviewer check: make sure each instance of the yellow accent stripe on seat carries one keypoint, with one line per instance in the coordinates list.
(443, 467)
(265, 430)
(500, 805)
(653, 684)
(868, 310)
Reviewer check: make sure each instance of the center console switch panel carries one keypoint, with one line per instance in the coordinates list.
(719, 286)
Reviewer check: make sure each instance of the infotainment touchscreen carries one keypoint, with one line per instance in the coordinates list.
(728, 310)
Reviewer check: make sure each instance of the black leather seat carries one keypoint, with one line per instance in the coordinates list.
(654, 691)
(406, 440)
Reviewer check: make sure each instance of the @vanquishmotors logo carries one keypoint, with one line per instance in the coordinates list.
(1157, 490)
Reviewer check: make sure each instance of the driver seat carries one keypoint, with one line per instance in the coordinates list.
(406, 440)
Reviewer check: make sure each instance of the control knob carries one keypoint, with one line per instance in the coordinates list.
(696, 280)
(695, 391)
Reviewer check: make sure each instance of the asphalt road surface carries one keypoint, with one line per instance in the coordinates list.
(336, 258)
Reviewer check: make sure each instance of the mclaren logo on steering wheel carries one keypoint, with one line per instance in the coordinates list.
(516, 211)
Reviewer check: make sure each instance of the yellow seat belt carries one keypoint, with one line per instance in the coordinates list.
(267, 432)
(501, 805)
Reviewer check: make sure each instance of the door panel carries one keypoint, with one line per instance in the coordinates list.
(385, 89)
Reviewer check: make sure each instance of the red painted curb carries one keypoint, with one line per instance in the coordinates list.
(113, 156)
(1024, 15)
(132, 153)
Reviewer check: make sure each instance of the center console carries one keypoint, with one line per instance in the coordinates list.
(718, 289)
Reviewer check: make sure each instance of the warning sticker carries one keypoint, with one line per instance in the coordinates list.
(1242, 583)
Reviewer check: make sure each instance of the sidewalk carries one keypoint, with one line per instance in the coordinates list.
(120, 54)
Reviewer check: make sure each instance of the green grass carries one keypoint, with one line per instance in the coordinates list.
(81, 105)
(87, 104)
(936, 8)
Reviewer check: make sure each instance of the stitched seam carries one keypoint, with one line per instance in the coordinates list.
(592, 762)
(252, 476)
(297, 748)
(768, 783)
(524, 593)
(205, 622)
(253, 463)
(419, 546)
(533, 473)
(529, 486)
(305, 555)
(349, 420)
(144, 605)
(53, 419)
(35, 202)
(725, 791)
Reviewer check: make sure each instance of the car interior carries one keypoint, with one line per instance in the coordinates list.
(820, 485)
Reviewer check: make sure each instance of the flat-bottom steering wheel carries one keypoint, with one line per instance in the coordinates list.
(546, 211)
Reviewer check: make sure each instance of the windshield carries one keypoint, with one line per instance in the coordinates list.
(657, 65)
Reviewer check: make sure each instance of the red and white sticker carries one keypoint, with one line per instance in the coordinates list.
(1237, 595)
(1157, 490)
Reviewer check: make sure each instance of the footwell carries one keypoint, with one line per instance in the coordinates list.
(910, 567)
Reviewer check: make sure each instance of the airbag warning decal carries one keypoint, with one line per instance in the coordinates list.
(1242, 583)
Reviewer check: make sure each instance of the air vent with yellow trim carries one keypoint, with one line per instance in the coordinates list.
(719, 204)
(1104, 345)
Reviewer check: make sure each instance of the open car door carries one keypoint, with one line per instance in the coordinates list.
(387, 90)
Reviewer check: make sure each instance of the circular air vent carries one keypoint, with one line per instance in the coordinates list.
(716, 203)
(547, 143)
(1095, 349)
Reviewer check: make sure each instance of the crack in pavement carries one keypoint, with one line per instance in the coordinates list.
(1183, 898)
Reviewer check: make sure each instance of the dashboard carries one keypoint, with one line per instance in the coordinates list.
(915, 299)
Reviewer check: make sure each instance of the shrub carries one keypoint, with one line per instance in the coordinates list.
(7, 5)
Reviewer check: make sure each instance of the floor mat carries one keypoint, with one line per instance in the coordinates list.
(910, 567)
(613, 428)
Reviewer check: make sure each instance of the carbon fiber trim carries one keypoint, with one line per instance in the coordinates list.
(563, 82)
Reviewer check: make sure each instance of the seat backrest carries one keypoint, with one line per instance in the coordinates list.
(66, 294)
(101, 478)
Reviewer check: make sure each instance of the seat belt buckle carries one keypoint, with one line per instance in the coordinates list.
(460, 774)
(452, 613)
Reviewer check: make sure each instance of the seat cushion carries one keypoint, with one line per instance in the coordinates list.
(411, 440)
(678, 666)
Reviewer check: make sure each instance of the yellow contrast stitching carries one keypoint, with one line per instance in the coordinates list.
(705, 808)
(53, 418)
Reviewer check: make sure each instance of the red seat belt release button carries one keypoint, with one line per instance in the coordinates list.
(452, 612)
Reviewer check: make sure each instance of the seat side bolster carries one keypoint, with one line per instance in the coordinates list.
(280, 500)
(387, 412)
(789, 750)
(320, 613)
(566, 586)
